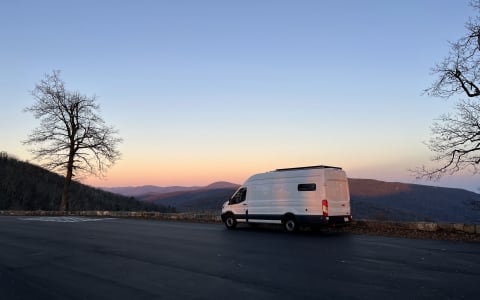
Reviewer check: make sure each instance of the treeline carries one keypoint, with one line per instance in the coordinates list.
(24, 186)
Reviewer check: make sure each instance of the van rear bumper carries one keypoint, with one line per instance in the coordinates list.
(322, 220)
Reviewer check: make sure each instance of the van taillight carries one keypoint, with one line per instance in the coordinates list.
(325, 208)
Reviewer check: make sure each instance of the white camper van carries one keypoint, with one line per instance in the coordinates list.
(316, 195)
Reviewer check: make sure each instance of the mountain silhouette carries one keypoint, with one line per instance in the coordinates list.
(370, 199)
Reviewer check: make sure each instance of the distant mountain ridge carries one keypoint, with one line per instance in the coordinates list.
(222, 185)
(135, 191)
(370, 199)
(374, 199)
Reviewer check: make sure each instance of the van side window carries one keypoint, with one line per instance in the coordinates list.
(302, 187)
(239, 196)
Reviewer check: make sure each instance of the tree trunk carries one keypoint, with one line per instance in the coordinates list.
(65, 193)
(68, 179)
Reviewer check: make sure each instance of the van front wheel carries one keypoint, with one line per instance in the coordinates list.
(230, 222)
(290, 224)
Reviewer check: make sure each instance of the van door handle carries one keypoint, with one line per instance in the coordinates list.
(244, 204)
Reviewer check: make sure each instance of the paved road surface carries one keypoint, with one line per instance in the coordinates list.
(78, 258)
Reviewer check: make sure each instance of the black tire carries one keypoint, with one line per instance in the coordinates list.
(290, 224)
(230, 221)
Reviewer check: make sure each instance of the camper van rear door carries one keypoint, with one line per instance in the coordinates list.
(338, 198)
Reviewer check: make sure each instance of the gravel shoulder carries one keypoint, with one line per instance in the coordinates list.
(397, 231)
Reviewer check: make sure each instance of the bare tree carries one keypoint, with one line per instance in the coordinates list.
(72, 137)
(456, 137)
(455, 141)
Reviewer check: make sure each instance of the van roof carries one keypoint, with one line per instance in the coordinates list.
(307, 168)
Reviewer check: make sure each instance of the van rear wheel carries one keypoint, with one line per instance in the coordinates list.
(290, 224)
(230, 221)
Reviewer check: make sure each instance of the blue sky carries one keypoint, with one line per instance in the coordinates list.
(217, 90)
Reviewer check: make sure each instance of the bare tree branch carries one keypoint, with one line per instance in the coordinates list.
(455, 142)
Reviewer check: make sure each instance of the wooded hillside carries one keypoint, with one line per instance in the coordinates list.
(24, 186)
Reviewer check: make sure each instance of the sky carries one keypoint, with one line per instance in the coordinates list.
(205, 91)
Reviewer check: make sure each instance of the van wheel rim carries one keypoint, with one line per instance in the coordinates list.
(290, 225)
(230, 222)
